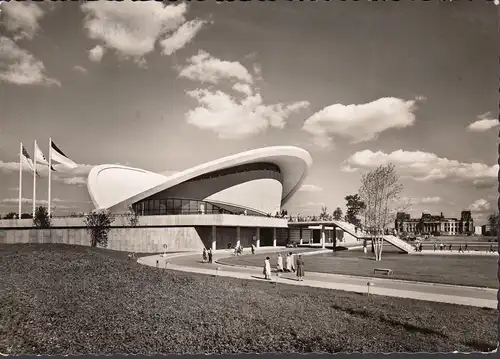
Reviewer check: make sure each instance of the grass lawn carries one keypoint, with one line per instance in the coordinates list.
(479, 271)
(59, 299)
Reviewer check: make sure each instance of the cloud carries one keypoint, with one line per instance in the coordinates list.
(480, 205)
(243, 88)
(132, 28)
(310, 188)
(79, 181)
(310, 204)
(422, 200)
(96, 53)
(55, 203)
(424, 167)
(19, 67)
(181, 37)
(21, 18)
(257, 69)
(484, 123)
(232, 119)
(208, 69)
(360, 123)
(79, 68)
(60, 170)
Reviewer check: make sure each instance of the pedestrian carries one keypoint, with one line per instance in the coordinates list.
(466, 247)
(460, 250)
(209, 255)
(449, 247)
(288, 263)
(253, 249)
(435, 246)
(300, 268)
(491, 248)
(204, 255)
(267, 269)
(280, 263)
(420, 247)
(440, 246)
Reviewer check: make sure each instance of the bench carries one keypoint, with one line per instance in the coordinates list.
(383, 270)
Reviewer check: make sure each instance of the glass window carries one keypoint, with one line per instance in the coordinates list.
(156, 208)
(163, 206)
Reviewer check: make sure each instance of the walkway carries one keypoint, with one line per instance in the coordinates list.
(191, 262)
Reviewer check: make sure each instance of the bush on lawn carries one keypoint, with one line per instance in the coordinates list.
(41, 219)
(98, 225)
(78, 300)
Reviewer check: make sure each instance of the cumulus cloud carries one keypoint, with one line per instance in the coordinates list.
(484, 123)
(422, 200)
(206, 68)
(79, 68)
(20, 67)
(132, 28)
(480, 205)
(232, 119)
(310, 188)
(424, 166)
(181, 37)
(96, 53)
(21, 18)
(243, 88)
(359, 123)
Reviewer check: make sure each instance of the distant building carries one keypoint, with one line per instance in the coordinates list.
(478, 230)
(435, 224)
(486, 230)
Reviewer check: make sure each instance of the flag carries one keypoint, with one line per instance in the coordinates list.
(40, 158)
(57, 155)
(27, 159)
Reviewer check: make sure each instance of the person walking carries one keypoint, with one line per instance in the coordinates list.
(440, 246)
(466, 247)
(209, 255)
(300, 268)
(460, 250)
(204, 255)
(253, 249)
(491, 248)
(267, 269)
(449, 247)
(435, 246)
(279, 266)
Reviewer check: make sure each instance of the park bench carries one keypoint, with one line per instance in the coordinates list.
(382, 270)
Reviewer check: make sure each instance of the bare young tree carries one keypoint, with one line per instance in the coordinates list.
(324, 214)
(132, 217)
(380, 191)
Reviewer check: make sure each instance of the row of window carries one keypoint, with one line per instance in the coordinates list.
(176, 206)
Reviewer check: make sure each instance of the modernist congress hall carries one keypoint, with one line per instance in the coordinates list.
(223, 201)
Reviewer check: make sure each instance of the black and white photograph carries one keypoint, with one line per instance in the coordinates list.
(227, 177)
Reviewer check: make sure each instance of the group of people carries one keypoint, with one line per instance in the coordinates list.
(289, 266)
(207, 255)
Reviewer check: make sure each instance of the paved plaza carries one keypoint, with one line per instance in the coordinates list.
(191, 262)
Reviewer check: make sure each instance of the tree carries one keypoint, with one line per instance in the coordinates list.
(98, 225)
(380, 191)
(10, 215)
(337, 214)
(324, 216)
(493, 222)
(132, 217)
(355, 207)
(41, 219)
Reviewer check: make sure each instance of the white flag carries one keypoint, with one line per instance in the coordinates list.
(40, 158)
(59, 156)
(27, 160)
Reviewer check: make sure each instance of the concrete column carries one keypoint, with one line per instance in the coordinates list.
(238, 237)
(257, 234)
(323, 235)
(300, 236)
(274, 237)
(214, 238)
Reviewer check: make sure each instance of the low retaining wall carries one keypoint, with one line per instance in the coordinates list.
(140, 240)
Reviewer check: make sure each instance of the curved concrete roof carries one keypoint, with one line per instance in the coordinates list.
(112, 186)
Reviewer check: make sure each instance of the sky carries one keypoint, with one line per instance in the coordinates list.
(167, 86)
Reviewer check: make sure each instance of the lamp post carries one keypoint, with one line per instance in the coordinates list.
(165, 246)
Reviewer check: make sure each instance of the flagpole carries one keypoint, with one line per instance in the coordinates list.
(50, 175)
(34, 180)
(20, 179)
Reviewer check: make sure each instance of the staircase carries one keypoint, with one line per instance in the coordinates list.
(399, 243)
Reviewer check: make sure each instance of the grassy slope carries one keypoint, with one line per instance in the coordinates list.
(460, 270)
(60, 299)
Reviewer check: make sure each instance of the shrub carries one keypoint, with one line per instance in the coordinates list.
(42, 219)
(98, 225)
(10, 215)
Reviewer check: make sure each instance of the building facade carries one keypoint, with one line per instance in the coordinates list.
(435, 224)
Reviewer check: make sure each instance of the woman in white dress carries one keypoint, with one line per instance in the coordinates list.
(288, 263)
(280, 263)
(267, 268)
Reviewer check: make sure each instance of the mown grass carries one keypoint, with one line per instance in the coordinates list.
(58, 299)
(475, 271)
